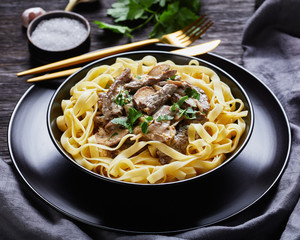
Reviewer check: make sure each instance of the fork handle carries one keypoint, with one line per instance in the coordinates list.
(88, 57)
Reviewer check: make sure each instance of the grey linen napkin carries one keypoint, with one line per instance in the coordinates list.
(272, 52)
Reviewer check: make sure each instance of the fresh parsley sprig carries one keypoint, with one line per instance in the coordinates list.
(133, 115)
(123, 98)
(164, 118)
(178, 103)
(192, 93)
(188, 113)
(121, 121)
(167, 15)
(144, 125)
(114, 134)
(128, 121)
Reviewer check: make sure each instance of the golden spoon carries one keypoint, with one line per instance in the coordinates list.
(73, 3)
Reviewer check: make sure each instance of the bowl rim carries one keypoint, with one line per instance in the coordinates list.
(57, 14)
(145, 53)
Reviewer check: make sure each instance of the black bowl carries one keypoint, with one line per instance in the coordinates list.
(63, 92)
(44, 55)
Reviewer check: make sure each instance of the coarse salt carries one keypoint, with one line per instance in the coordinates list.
(59, 34)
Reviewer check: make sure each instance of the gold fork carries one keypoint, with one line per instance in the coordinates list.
(186, 36)
(181, 38)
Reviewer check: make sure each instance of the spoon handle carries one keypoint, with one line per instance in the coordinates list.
(91, 56)
(71, 5)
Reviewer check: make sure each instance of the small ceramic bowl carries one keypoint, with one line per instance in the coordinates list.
(58, 35)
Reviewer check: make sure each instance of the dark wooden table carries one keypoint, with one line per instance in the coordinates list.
(230, 17)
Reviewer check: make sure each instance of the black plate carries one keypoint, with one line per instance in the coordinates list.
(232, 189)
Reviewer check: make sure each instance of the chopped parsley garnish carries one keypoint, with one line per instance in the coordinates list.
(164, 118)
(178, 103)
(133, 115)
(121, 121)
(129, 121)
(192, 93)
(123, 98)
(114, 134)
(173, 78)
(144, 126)
(188, 113)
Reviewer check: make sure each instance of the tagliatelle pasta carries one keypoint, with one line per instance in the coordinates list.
(134, 158)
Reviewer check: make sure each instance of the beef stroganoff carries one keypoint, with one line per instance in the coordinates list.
(151, 122)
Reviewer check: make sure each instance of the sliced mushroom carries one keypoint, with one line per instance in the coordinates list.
(158, 73)
(141, 95)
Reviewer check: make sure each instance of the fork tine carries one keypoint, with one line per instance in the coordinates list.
(189, 34)
(201, 31)
(196, 33)
(181, 31)
(198, 25)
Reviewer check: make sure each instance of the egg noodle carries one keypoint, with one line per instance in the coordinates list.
(208, 142)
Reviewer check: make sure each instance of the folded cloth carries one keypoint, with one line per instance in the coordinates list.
(272, 52)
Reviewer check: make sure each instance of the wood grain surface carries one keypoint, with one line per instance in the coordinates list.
(229, 16)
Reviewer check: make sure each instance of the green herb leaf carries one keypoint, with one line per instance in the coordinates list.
(136, 11)
(133, 115)
(119, 10)
(188, 113)
(114, 134)
(181, 100)
(121, 121)
(162, 3)
(178, 103)
(192, 4)
(115, 28)
(182, 112)
(164, 118)
(173, 78)
(147, 3)
(192, 93)
(144, 125)
(191, 112)
(129, 121)
(123, 98)
(167, 15)
(166, 24)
